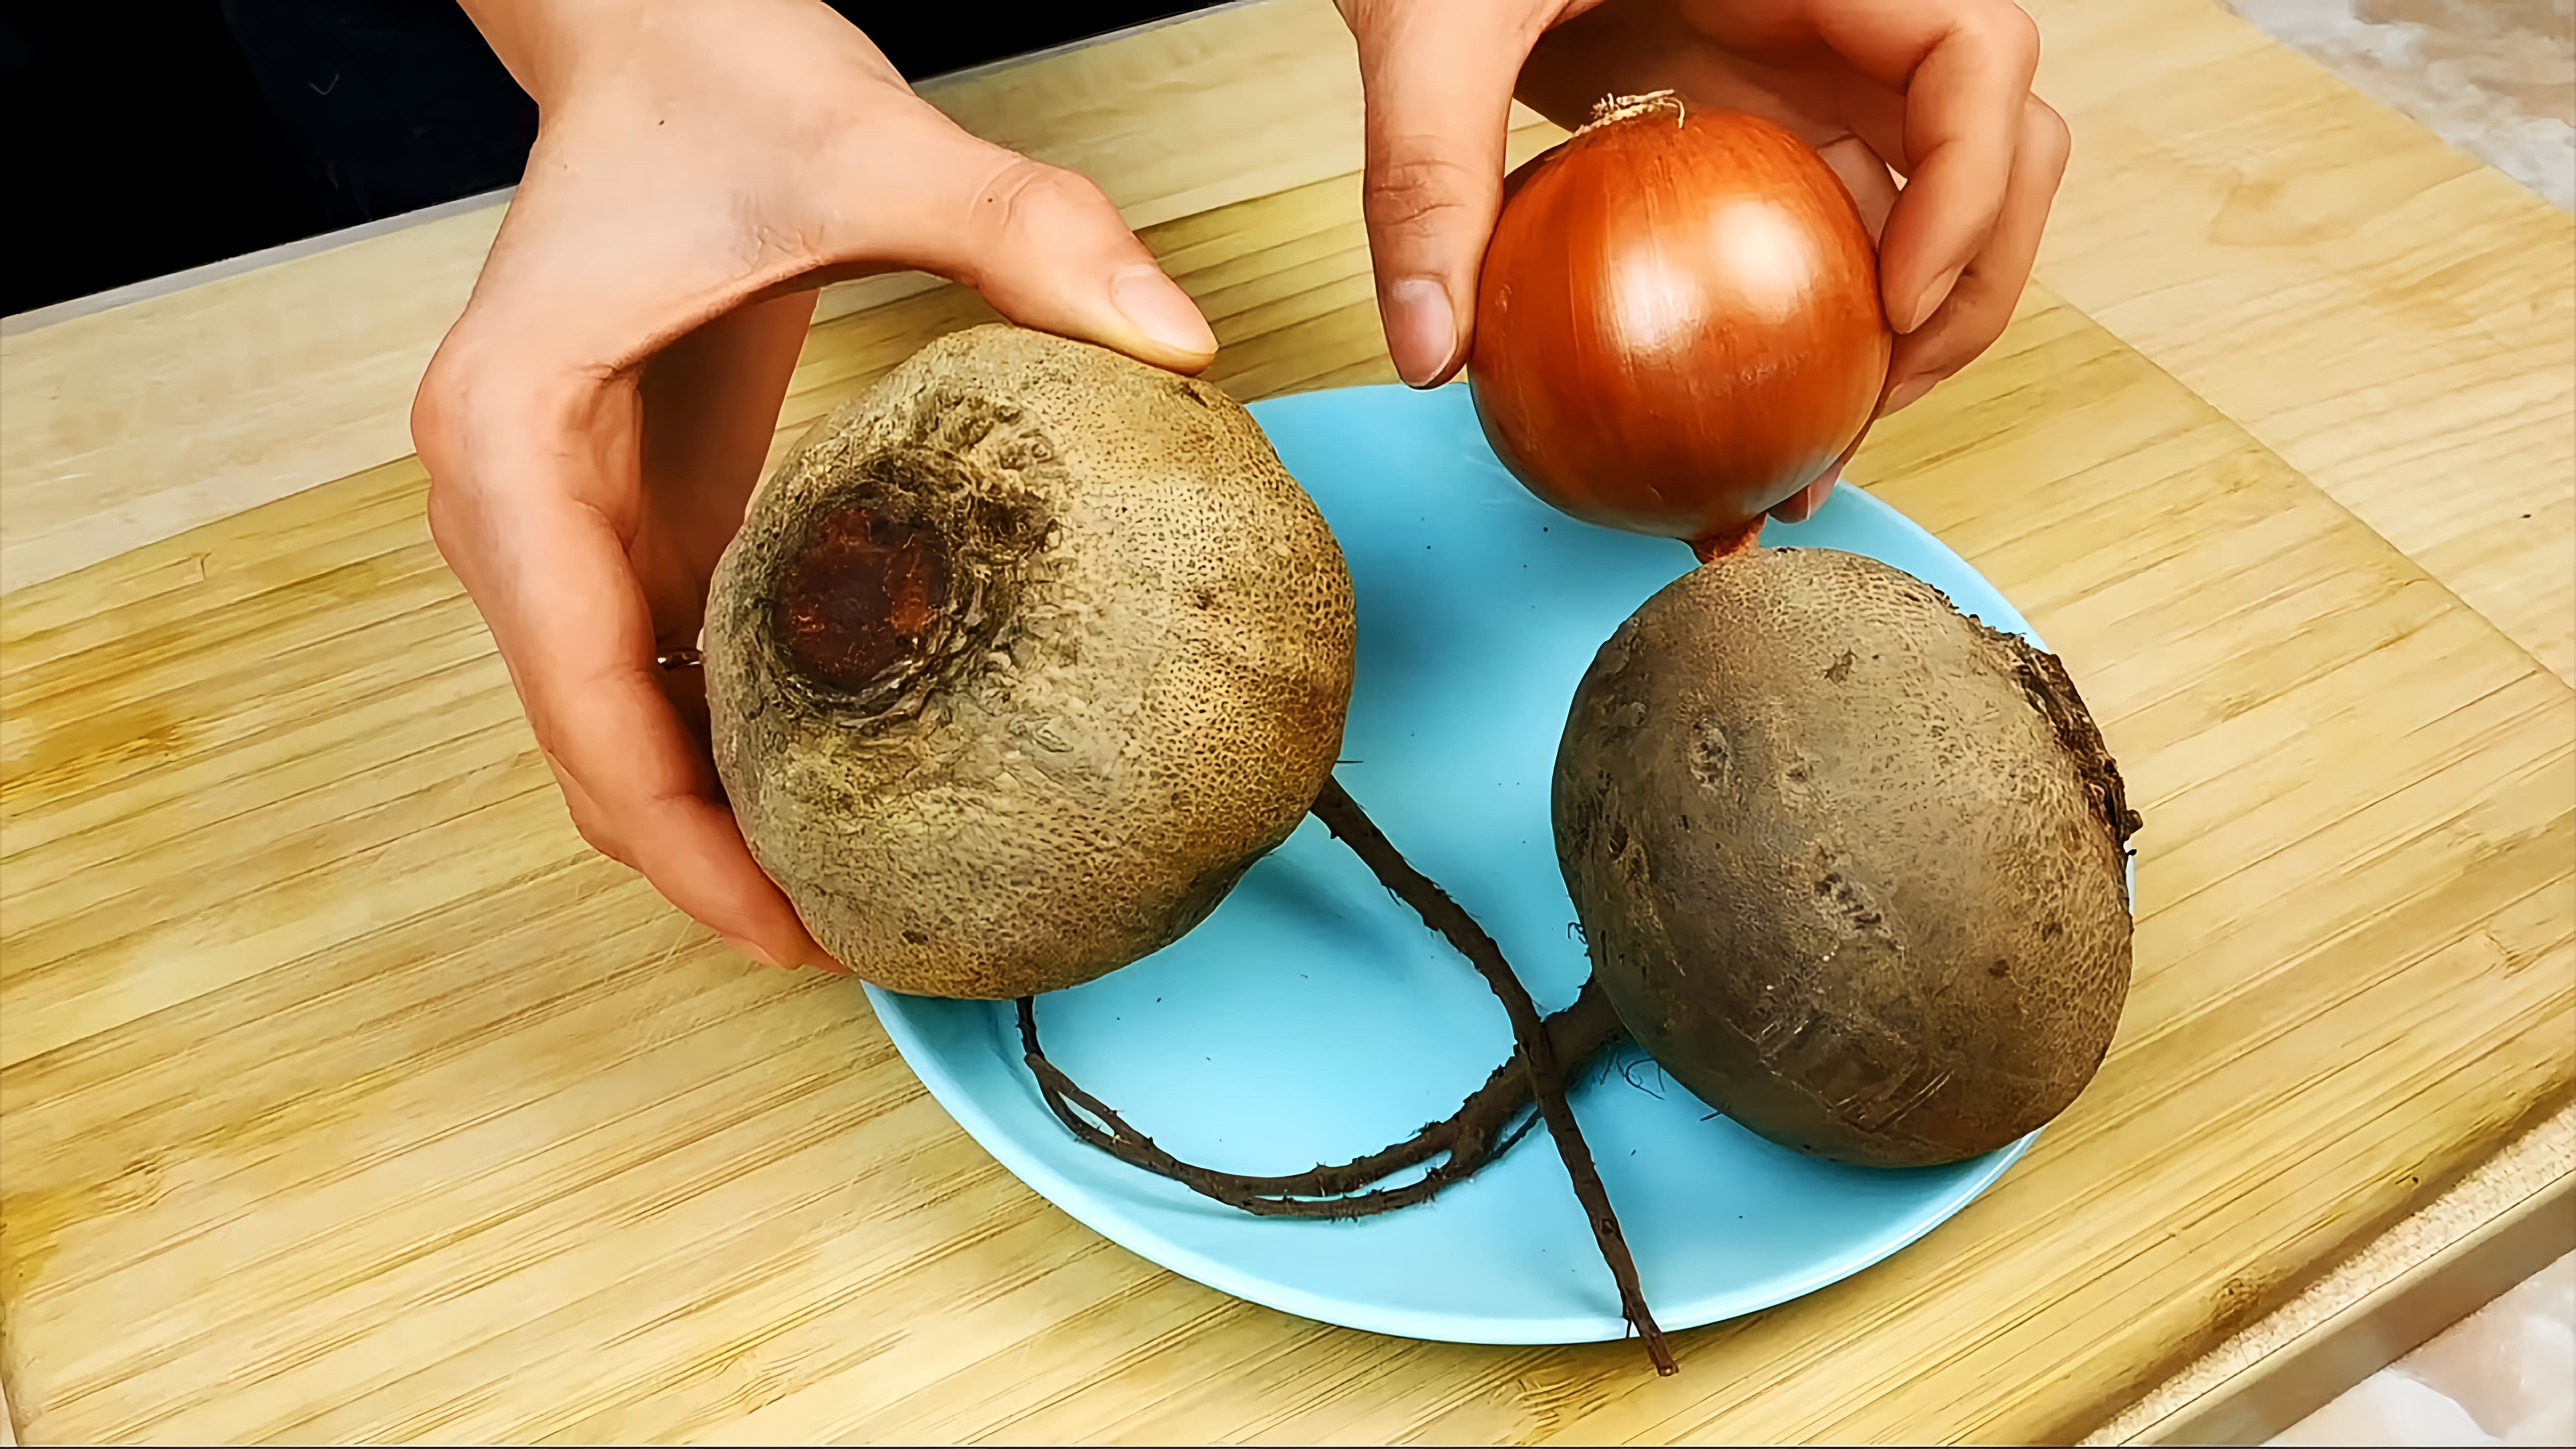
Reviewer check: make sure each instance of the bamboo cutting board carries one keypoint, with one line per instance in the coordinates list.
(347, 1096)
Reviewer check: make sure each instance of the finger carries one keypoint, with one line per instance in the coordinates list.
(1866, 177)
(686, 688)
(551, 576)
(1964, 69)
(1051, 252)
(1437, 85)
(599, 831)
(1981, 305)
(1800, 506)
(710, 411)
(650, 814)
(1042, 244)
(637, 778)
(610, 267)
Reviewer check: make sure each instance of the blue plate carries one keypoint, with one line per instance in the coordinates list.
(1312, 1018)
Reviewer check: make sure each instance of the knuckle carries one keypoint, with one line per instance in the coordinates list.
(437, 421)
(453, 390)
(1979, 324)
(600, 840)
(1418, 194)
(1031, 200)
(588, 822)
(436, 406)
(1977, 333)
(732, 908)
(2048, 137)
(447, 509)
(2013, 34)
(1972, 320)
(447, 525)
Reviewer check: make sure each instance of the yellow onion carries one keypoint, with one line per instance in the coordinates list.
(1678, 323)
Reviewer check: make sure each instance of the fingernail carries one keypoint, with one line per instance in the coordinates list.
(1905, 394)
(1933, 296)
(1161, 310)
(1421, 330)
(750, 950)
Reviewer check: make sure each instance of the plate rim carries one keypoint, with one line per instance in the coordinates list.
(1141, 1238)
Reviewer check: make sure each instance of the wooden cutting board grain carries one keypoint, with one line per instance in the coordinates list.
(346, 1096)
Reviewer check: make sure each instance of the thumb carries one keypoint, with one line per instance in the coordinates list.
(1045, 247)
(1437, 80)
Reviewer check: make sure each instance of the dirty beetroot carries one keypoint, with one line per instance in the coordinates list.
(1024, 656)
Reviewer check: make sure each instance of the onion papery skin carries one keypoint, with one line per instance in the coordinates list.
(1678, 323)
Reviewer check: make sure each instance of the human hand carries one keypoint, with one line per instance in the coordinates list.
(1937, 91)
(596, 420)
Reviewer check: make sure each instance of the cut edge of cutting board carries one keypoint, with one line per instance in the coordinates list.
(2506, 1218)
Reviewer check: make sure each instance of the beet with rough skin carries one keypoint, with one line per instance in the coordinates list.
(1020, 659)
(1851, 865)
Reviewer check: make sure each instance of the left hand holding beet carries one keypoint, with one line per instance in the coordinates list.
(1935, 91)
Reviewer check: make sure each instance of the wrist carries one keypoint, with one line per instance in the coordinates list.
(539, 41)
(553, 47)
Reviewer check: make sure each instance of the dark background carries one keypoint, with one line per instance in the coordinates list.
(150, 138)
